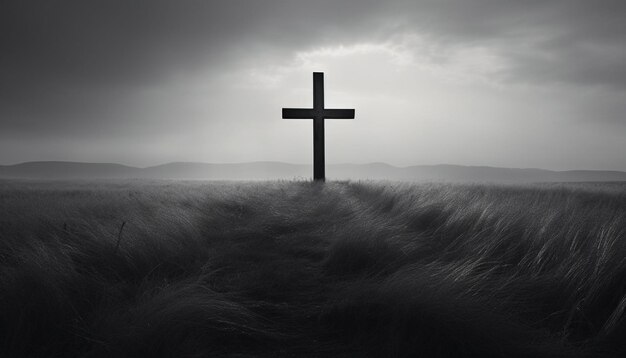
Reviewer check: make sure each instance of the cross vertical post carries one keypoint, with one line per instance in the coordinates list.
(319, 165)
(318, 113)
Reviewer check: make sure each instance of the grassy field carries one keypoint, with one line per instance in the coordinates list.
(299, 269)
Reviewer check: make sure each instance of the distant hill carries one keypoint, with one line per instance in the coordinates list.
(278, 170)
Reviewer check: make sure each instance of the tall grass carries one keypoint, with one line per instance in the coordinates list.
(343, 269)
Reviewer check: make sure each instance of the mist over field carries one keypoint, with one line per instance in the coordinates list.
(282, 269)
(288, 171)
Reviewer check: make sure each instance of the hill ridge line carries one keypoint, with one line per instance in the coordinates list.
(272, 170)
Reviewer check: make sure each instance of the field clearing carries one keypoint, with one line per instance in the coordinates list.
(302, 269)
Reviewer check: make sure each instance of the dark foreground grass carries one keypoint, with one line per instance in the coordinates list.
(299, 269)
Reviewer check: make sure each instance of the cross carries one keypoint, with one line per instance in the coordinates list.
(318, 113)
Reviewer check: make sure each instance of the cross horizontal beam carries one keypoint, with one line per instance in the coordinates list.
(310, 113)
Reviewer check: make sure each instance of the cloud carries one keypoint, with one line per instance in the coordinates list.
(75, 68)
(143, 42)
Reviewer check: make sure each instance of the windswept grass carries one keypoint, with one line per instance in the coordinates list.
(282, 269)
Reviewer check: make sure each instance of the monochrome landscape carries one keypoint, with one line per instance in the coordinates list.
(313, 178)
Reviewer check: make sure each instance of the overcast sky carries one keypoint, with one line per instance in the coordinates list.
(472, 82)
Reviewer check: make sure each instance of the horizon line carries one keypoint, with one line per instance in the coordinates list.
(310, 164)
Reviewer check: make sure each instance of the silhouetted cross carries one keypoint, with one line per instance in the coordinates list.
(318, 113)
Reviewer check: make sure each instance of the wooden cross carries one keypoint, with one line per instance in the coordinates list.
(318, 113)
